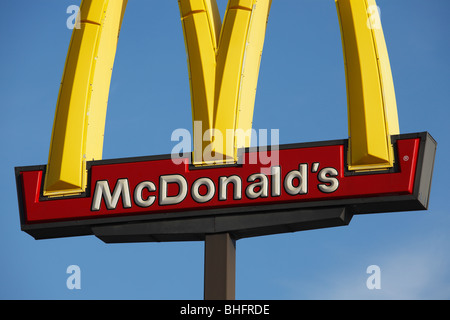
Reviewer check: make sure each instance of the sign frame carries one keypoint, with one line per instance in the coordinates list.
(244, 221)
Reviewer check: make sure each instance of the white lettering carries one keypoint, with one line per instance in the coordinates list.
(259, 188)
(374, 20)
(219, 149)
(211, 190)
(237, 187)
(197, 310)
(301, 176)
(276, 181)
(102, 191)
(374, 281)
(330, 183)
(174, 188)
(182, 147)
(164, 199)
(74, 280)
(263, 153)
(73, 21)
(213, 152)
(150, 186)
(245, 309)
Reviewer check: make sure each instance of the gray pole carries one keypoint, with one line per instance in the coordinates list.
(220, 267)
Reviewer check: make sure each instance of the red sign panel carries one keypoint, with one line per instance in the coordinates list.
(303, 175)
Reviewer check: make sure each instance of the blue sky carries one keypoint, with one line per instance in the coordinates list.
(301, 92)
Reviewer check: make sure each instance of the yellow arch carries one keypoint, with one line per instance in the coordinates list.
(372, 108)
(223, 68)
(80, 115)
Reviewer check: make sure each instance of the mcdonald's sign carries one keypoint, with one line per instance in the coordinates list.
(224, 185)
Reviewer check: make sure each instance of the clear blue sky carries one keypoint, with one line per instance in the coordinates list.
(301, 92)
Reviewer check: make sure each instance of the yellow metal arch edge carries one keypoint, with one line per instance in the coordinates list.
(372, 108)
(80, 115)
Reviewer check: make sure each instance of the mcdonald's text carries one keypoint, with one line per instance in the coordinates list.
(204, 189)
(306, 175)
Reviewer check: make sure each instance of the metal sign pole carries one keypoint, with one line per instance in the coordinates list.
(220, 267)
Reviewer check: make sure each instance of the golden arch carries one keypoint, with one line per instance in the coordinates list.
(223, 66)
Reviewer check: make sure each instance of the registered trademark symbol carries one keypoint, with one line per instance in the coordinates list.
(405, 158)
